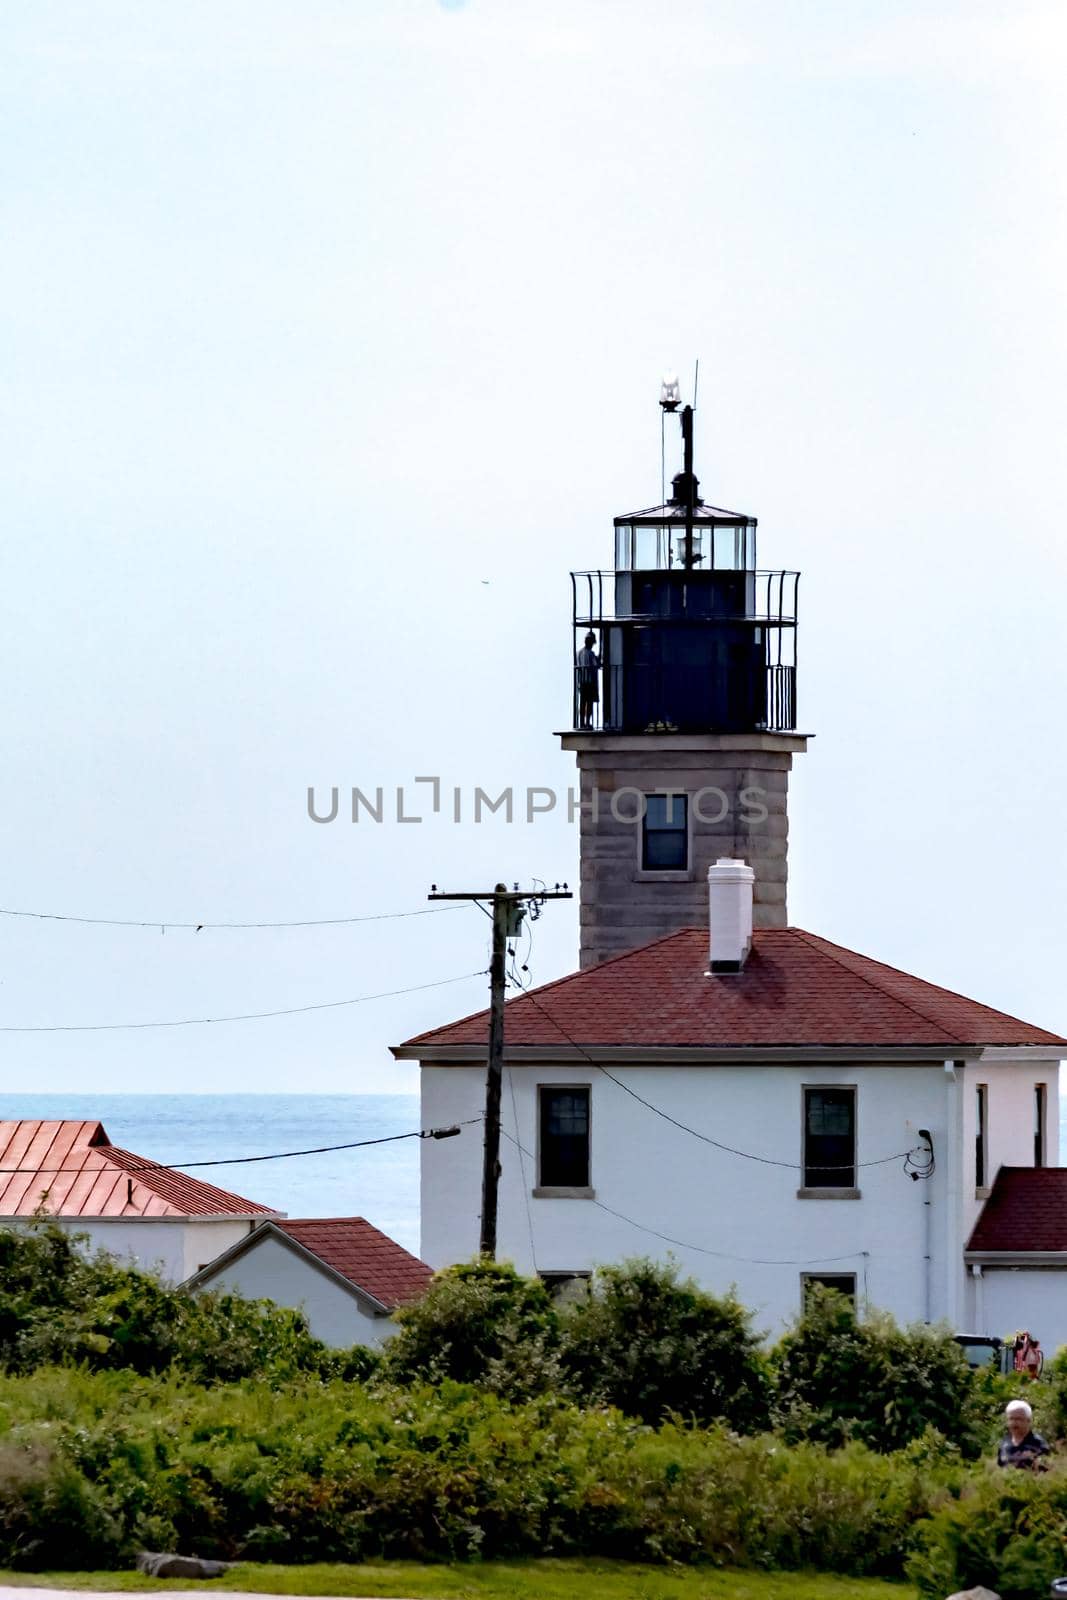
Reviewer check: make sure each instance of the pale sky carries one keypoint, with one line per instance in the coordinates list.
(333, 342)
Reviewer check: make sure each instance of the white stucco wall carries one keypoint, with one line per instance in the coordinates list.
(1033, 1298)
(270, 1270)
(762, 1234)
(1010, 1123)
(173, 1247)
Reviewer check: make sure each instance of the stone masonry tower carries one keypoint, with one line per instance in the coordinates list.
(684, 717)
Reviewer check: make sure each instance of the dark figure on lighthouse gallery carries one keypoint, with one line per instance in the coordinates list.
(588, 681)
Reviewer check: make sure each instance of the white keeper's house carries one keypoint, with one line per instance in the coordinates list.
(712, 1084)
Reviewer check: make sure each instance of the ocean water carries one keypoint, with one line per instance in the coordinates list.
(380, 1183)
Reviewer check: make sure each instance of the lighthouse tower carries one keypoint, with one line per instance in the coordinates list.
(684, 716)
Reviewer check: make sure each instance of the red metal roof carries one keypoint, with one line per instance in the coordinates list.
(71, 1169)
(1026, 1211)
(796, 989)
(362, 1254)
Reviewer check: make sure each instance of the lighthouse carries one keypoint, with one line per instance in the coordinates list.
(684, 715)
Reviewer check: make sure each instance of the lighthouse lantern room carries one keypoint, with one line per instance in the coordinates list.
(692, 636)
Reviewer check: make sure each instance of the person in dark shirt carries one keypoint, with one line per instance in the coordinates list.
(1020, 1446)
(588, 665)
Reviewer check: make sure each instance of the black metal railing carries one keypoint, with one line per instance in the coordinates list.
(763, 596)
(766, 703)
(714, 652)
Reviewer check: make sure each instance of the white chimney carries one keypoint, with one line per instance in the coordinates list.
(730, 908)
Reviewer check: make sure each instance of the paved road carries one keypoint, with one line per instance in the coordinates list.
(7, 1593)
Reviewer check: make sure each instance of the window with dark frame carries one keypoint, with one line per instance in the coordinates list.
(830, 1138)
(564, 1141)
(1039, 1124)
(665, 833)
(843, 1282)
(981, 1118)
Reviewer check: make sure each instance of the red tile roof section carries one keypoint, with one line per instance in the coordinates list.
(1026, 1210)
(796, 989)
(80, 1173)
(363, 1255)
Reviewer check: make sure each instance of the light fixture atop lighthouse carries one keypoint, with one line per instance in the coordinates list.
(670, 393)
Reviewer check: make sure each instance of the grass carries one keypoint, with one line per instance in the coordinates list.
(543, 1579)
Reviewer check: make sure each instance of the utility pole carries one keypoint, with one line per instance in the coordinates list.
(509, 908)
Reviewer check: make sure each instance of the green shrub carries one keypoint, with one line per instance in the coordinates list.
(839, 1379)
(1047, 1395)
(50, 1514)
(58, 1304)
(337, 1472)
(1007, 1531)
(653, 1344)
(480, 1323)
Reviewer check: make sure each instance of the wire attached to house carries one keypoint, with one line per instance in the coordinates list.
(449, 1132)
(705, 1138)
(684, 1244)
(163, 923)
(722, 1255)
(246, 1016)
(522, 1166)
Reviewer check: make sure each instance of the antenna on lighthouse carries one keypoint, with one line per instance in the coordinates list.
(685, 483)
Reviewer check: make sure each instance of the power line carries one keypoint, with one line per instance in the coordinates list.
(747, 1155)
(684, 1244)
(722, 1255)
(522, 1166)
(247, 1016)
(163, 923)
(275, 1155)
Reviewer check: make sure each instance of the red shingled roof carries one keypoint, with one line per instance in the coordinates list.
(362, 1254)
(795, 989)
(73, 1170)
(1026, 1211)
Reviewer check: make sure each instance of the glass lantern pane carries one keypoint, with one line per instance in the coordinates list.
(725, 555)
(645, 555)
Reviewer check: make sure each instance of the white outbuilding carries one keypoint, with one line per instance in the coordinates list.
(345, 1275)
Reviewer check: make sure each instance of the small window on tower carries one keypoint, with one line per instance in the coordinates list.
(1039, 1124)
(665, 833)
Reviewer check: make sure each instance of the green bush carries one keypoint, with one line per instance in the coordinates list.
(315, 1471)
(1047, 1395)
(655, 1345)
(838, 1379)
(1008, 1531)
(50, 1513)
(59, 1304)
(480, 1323)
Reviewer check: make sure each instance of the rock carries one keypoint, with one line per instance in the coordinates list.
(977, 1593)
(158, 1565)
